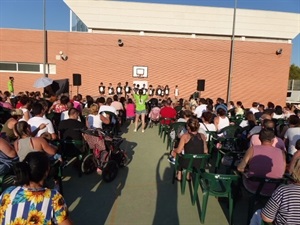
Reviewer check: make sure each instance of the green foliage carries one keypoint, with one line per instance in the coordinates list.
(294, 72)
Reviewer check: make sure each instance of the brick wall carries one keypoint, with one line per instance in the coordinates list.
(258, 74)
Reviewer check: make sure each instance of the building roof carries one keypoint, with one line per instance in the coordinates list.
(183, 19)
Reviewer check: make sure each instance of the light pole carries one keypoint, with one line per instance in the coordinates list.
(45, 39)
(231, 55)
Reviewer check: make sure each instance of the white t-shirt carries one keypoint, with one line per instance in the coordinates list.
(276, 116)
(292, 134)
(200, 109)
(223, 122)
(24, 111)
(209, 127)
(107, 108)
(36, 121)
(254, 110)
(94, 121)
(117, 105)
(176, 92)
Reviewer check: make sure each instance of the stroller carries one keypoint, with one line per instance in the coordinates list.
(107, 156)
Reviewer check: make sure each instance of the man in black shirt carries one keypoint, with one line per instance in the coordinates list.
(101, 89)
(70, 129)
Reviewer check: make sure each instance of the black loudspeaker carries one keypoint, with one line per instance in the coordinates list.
(76, 79)
(200, 85)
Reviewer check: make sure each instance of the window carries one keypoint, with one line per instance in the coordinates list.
(29, 67)
(8, 66)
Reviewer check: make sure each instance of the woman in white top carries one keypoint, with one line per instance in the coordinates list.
(26, 107)
(94, 120)
(292, 134)
(278, 113)
(221, 120)
(206, 124)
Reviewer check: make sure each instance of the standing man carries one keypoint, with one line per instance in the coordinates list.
(136, 88)
(119, 90)
(144, 89)
(151, 90)
(162, 94)
(167, 90)
(158, 91)
(10, 86)
(176, 92)
(111, 90)
(127, 89)
(101, 89)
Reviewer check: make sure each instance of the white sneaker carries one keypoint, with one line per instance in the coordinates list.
(134, 130)
(143, 131)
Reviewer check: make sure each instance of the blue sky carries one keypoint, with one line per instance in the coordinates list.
(28, 14)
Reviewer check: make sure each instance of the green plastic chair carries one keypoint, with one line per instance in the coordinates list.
(237, 119)
(212, 138)
(177, 128)
(218, 185)
(72, 150)
(190, 169)
(164, 127)
(228, 142)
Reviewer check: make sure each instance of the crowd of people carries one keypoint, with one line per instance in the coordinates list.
(33, 122)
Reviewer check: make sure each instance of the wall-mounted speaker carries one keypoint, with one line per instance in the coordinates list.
(200, 85)
(76, 79)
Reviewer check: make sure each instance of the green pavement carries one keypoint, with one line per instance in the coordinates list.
(142, 193)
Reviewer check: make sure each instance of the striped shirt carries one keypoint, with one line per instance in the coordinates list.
(284, 205)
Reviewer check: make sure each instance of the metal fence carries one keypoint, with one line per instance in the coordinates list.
(294, 85)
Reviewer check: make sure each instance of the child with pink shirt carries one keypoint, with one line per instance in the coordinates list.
(130, 110)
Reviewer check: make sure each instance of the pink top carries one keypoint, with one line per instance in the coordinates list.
(278, 142)
(130, 110)
(77, 105)
(267, 161)
(6, 105)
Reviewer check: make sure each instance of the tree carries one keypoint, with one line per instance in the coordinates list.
(294, 72)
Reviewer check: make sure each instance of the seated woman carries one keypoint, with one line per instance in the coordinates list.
(16, 115)
(221, 120)
(8, 156)
(60, 105)
(30, 202)
(239, 110)
(191, 142)
(206, 124)
(249, 121)
(26, 143)
(185, 115)
(94, 120)
(263, 161)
